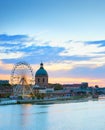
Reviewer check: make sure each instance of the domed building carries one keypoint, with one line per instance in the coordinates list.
(41, 77)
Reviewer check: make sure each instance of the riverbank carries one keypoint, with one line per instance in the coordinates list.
(8, 102)
(46, 101)
(55, 100)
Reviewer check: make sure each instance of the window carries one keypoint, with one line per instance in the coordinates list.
(38, 80)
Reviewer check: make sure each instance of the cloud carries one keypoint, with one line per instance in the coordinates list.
(12, 55)
(86, 72)
(83, 49)
(5, 70)
(4, 77)
(23, 46)
(12, 38)
(70, 80)
(62, 58)
(5, 66)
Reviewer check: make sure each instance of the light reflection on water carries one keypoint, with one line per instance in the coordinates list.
(69, 116)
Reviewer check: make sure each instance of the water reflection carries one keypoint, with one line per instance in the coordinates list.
(69, 116)
(32, 116)
(25, 115)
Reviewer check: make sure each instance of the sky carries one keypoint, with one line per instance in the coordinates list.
(68, 36)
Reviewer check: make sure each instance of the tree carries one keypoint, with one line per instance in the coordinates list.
(58, 87)
(96, 86)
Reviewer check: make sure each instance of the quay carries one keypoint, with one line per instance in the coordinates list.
(46, 101)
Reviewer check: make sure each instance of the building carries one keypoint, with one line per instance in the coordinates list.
(71, 86)
(5, 89)
(84, 85)
(41, 77)
(4, 82)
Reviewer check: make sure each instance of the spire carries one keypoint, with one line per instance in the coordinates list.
(41, 65)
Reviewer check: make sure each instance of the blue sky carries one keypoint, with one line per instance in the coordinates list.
(54, 19)
(67, 35)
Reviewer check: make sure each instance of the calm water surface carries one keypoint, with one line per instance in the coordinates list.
(69, 116)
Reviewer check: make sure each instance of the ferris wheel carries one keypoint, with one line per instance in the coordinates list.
(22, 79)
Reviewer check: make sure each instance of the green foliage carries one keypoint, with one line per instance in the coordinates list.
(96, 86)
(58, 87)
(20, 97)
(40, 95)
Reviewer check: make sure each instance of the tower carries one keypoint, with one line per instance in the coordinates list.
(41, 77)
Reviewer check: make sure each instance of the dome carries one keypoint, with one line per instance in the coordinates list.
(41, 71)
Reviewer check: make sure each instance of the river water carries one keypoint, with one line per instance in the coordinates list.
(88, 115)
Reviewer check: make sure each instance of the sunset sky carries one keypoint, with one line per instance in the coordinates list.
(68, 36)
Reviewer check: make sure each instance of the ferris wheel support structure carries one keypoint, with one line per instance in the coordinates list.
(22, 80)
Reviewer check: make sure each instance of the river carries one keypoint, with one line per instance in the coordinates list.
(88, 115)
